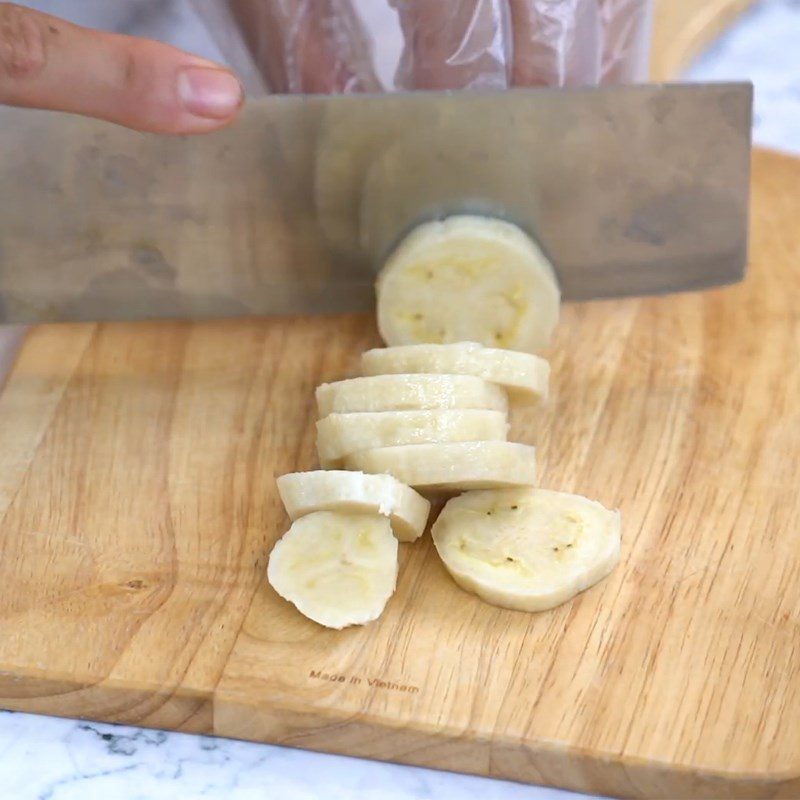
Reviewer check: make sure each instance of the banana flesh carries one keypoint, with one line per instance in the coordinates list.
(409, 393)
(468, 278)
(455, 466)
(341, 435)
(527, 549)
(304, 493)
(523, 375)
(337, 569)
(465, 305)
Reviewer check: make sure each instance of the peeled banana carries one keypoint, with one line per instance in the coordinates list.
(452, 466)
(337, 569)
(409, 393)
(340, 435)
(524, 375)
(356, 493)
(527, 549)
(501, 290)
(465, 304)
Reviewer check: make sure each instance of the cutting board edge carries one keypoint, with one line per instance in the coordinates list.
(321, 719)
(181, 708)
(382, 738)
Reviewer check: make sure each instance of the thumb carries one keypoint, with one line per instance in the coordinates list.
(48, 63)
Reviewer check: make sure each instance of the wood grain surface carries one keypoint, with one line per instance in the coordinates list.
(138, 506)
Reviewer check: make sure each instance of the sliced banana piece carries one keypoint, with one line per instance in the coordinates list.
(468, 278)
(337, 569)
(340, 435)
(356, 493)
(524, 375)
(409, 393)
(455, 466)
(527, 549)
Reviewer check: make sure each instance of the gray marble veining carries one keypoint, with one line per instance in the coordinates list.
(43, 758)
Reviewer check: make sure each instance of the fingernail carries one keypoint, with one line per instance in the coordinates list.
(208, 92)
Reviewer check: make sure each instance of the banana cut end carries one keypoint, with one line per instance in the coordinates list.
(336, 569)
(527, 549)
(468, 278)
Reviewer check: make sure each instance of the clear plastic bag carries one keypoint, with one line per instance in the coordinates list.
(332, 46)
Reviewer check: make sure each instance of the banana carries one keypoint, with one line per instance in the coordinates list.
(409, 393)
(524, 375)
(526, 549)
(340, 435)
(337, 569)
(454, 466)
(304, 493)
(503, 291)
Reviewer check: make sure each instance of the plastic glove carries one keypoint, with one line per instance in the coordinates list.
(366, 45)
(300, 46)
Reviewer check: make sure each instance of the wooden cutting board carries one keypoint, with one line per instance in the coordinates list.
(138, 507)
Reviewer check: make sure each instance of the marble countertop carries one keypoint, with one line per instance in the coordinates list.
(44, 758)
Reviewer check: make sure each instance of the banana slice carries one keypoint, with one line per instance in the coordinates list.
(409, 393)
(527, 549)
(340, 435)
(337, 569)
(500, 289)
(356, 493)
(524, 375)
(457, 466)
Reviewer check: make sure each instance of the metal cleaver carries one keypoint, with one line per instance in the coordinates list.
(629, 190)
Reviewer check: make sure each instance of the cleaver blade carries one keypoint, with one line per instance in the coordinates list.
(629, 190)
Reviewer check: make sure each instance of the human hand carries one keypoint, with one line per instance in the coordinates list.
(48, 63)
(322, 47)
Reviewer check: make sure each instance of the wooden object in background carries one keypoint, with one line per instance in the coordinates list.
(683, 28)
(138, 506)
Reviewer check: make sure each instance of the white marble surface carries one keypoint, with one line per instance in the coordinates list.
(51, 759)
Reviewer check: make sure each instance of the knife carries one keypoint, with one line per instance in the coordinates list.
(629, 190)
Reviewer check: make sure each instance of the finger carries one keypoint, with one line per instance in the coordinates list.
(625, 40)
(48, 63)
(307, 47)
(556, 44)
(462, 44)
